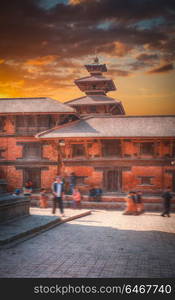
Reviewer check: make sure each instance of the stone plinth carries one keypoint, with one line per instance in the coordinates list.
(12, 207)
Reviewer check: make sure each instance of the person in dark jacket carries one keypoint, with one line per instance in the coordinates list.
(92, 194)
(58, 192)
(73, 181)
(139, 202)
(167, 196)
(98, 192)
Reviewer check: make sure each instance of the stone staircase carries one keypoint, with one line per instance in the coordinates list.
(151, 203)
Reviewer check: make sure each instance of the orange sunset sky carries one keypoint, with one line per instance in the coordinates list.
(45, 44)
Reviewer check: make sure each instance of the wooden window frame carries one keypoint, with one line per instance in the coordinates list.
(74, 150)
(147, 153)
(145, 180)
(2, 150)
(25, 150)
(107, 153)
(2, 123)
(31, 123)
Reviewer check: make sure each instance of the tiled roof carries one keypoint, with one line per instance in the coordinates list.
(93, 78)
(33, 105)
(115, 126)
(92, 99)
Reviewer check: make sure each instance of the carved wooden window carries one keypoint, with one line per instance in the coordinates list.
(2, 150)
(78, 150)
(94, 86)
(173, 149)
(44, 122)
(33, 124)
(2, 123)
(32, 151)
(147, 148)
(111, 147)
(92, 109)
(81, 180)
(33, 175)
(25, 124)
(145, 180)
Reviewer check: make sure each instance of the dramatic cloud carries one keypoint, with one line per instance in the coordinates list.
(162, 69)
(40, 61)
(45, 43)
(147, 57)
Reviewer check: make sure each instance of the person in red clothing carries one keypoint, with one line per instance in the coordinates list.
(76, 198)
(43, 201)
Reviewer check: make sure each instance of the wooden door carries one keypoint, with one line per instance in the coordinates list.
(173, 183)
(34, 175)
(112, 180)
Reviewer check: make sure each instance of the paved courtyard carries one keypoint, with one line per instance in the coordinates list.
(103, 244)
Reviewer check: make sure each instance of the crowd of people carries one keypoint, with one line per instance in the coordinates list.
(134, 199)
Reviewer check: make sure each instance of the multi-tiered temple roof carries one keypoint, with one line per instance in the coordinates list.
(96, 86)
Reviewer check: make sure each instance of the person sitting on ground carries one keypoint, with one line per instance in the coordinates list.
(98, 192)
(27, 189)
(17, 192)
(92, 194)
(43, 200)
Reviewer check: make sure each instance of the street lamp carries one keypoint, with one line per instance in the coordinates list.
(61, 143)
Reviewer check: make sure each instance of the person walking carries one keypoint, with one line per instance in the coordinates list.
(167, 196)
(58, 193)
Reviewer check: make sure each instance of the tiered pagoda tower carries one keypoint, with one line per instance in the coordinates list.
(96, 86)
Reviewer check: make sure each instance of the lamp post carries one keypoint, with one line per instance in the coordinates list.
(61, 143)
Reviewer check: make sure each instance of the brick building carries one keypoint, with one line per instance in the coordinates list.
(22, 156)
(91, 136)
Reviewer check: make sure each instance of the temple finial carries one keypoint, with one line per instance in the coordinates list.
(96, 60)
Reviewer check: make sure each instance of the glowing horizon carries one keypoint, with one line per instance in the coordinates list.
(45, 49)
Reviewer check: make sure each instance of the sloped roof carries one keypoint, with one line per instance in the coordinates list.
(33, 105)
(93, 78)
(115, 126)
(92, 99)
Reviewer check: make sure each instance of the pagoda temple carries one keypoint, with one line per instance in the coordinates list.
(96, 87)
(91, 136)
(108, 149)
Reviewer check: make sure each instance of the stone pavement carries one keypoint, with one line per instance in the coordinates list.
(39, 220)
(102, 244)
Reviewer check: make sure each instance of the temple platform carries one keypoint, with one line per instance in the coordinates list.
(116, 202)
(12, 207)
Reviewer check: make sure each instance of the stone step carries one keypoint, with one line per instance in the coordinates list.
(105, 199)
(38, 221)
(120, 205)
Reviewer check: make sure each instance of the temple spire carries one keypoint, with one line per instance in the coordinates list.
(96, 83)
(96, 60)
